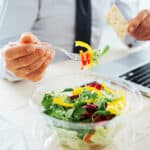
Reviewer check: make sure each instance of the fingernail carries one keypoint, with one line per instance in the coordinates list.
(131, 29)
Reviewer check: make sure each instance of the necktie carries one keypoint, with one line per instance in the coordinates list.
(83, 19)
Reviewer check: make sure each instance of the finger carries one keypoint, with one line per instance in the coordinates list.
(17, 51)
(28, 37)
(134, 23)
(143, 31)
(26, 60)
(144, 27)
(49, 48)
(22, 72)
(144, 37)
(38, 74)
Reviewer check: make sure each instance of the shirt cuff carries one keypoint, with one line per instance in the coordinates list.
(132, 42)
(5, 74)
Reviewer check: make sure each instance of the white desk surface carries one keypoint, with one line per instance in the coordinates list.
(14, 100)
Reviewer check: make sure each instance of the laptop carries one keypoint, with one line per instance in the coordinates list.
(134, 68)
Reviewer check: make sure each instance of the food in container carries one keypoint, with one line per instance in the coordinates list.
(89, 111)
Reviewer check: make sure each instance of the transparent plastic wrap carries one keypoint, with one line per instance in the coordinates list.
(117, 134)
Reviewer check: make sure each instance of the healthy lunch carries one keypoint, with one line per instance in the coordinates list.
(94, 103)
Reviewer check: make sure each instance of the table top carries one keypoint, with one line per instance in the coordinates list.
(14, 100)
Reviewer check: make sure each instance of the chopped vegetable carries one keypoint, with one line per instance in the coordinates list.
(61, 101)
(90, 57)
(93, 101)
(68, 89)
(88, 137)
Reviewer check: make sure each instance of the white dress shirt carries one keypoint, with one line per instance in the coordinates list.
(53, 21)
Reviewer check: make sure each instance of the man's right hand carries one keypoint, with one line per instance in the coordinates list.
(29, 58)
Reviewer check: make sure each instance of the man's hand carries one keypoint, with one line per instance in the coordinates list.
(139, 27)
(28, 58)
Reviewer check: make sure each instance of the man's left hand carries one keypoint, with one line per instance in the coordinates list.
(139, 27)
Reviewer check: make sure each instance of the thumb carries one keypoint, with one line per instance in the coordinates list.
(28, 38)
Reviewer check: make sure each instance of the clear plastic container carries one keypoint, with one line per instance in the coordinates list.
(117, 134)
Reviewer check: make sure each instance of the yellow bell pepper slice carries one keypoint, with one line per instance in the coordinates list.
(61, 101)
(83, 44)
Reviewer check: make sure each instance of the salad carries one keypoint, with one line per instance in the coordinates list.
(93, 103)
(90, 57)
